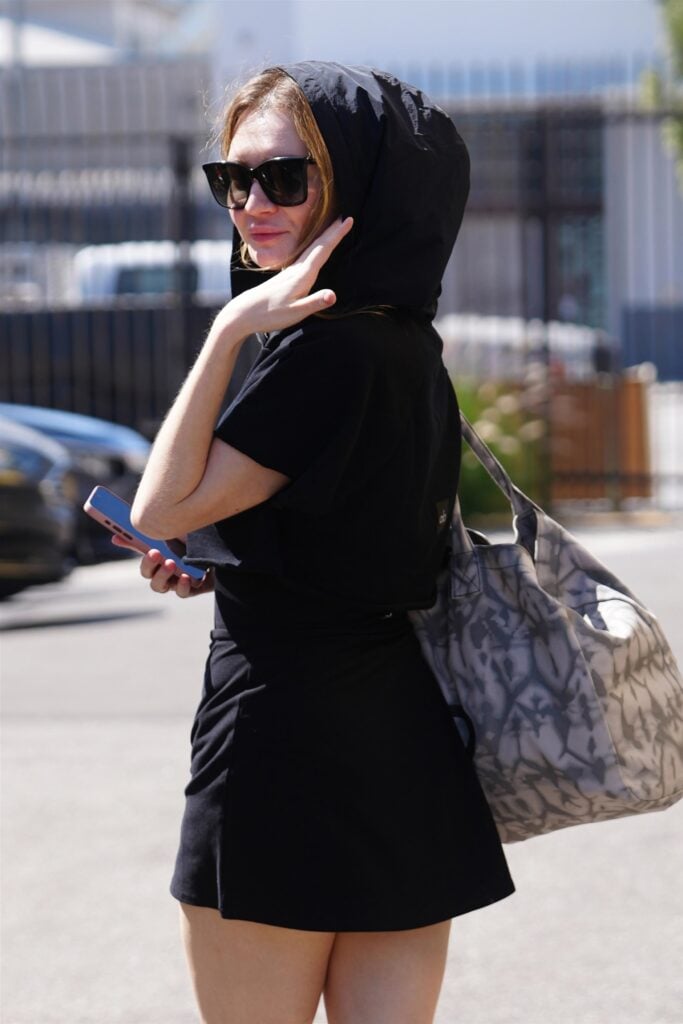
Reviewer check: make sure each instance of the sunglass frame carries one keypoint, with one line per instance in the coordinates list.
(219, 181)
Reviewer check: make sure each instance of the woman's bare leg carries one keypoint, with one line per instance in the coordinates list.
(246, 973)
(386, 977)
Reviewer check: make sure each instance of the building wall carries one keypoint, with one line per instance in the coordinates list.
(643, 220)
(145, 96)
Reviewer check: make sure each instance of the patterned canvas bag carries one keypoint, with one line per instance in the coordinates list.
(568, 683)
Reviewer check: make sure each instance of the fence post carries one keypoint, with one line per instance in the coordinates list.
(181, 231)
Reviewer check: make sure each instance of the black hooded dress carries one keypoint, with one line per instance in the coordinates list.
(329, 788)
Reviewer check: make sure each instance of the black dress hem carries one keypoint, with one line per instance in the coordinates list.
(242, 914)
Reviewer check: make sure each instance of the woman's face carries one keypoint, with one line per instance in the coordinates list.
(271, 233)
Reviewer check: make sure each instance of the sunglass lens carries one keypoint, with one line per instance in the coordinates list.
(218, 182)
(229, 184)
(237, 185)
(284, 181)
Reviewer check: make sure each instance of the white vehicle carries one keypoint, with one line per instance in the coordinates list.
(103, 272)
(500, 347)
(35, 274)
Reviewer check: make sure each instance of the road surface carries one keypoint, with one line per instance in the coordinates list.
(100, 679)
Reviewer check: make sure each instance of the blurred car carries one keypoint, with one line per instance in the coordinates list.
(37, 509)
(101, 453)
(133, 269)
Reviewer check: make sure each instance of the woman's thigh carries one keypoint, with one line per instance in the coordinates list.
(386, 977)
(245, 973)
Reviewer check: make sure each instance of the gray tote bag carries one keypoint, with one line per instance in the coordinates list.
(563, 684)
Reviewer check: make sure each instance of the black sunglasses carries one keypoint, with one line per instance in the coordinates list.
(284, 180)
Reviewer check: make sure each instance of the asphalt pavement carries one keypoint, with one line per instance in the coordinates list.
(100, 678)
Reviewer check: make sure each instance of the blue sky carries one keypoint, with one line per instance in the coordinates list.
(459, 31)
(394, 33)
(472, 30)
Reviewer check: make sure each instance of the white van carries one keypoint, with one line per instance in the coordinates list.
(103, 272)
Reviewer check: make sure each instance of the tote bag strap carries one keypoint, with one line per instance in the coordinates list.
(521, 504)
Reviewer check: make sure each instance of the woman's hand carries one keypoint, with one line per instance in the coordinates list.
(284, 299)
(163, 576)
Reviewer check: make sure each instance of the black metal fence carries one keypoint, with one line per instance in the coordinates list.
(575, 218)
(121, 364)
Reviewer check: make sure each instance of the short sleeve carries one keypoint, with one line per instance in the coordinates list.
(303, 406)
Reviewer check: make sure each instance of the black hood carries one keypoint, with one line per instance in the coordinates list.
(401, 171)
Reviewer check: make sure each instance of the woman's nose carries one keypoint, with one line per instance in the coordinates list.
(257, 200)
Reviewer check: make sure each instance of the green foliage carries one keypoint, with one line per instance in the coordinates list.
(657, 92)
(673, 18)
(501, 414)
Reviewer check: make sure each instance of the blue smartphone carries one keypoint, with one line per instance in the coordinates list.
(114, 514)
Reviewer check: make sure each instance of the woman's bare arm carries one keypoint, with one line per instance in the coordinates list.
(193, 479)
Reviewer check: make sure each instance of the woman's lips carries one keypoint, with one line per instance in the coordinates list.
(260, 235)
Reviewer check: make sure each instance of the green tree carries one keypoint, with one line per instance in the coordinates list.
(659, 92)
(673, 16)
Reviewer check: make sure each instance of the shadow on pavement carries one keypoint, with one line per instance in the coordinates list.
(77, 620)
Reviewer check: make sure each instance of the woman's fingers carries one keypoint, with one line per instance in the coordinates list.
(295, 282)
(322, 247)
(284, 299)
(183, 587)
(161, 572)
(187, 587)
(163, 576)
(313, 303)
(150, 563)
(309, 263)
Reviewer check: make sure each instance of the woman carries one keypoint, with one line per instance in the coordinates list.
(333, 824)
